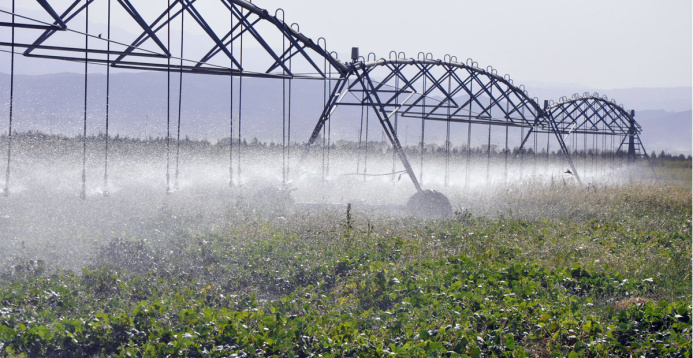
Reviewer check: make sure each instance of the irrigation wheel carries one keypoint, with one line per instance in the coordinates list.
(429, 204)
(273, 199)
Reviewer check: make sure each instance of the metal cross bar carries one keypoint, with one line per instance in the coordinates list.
(251, 29)
(52, 13)
(582, 110)
(65, 17)
(216, 49)
(145, 36)
(249, 16)
(208, 30)
(140, 21)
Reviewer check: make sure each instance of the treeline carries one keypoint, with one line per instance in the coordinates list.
(380, 147)
(668, 156)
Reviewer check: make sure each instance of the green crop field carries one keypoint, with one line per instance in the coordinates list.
(551, 271)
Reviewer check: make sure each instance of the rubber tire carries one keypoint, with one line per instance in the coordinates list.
(429, 204)
(273, 199)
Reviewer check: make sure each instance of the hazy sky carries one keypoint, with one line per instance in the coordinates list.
(597, 43)
(586, 44)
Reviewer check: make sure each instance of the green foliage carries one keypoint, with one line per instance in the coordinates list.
(617, 284)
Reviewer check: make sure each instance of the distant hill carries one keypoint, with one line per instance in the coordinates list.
(667, 131)
(55, 103)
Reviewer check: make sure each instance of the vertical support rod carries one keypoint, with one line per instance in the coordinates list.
(365, 152)
(521, 151)
(488, 144)
(108, 94)
(83, 193)
(631, 136)
(534, 155)
(329, 120)
(469, 137)
(283, 109)
(324, 103)
(288, 126)
(231, 103)
(423, 127)
(447, 135)
(6, 190)
(358, 148)
(168, 100)
(548, 153)
(240, 107)
(506, 154)
(584, 150)
(180, 99)
(394, 154)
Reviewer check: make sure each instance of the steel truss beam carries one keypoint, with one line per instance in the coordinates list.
(451, 86)
(438, 91)
(58, 25)
(417, 88)
(148, 50)
(595, 115)
(591, 114)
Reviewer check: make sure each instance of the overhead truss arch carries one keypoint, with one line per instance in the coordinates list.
(273, 47)
(435, 90)
(440, 90)
(592, 114)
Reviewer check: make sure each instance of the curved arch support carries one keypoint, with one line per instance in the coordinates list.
(213, 53)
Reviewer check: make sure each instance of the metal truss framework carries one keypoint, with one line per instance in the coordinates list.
(151, 48)
(464, 93)
(435, 90)
(432, 90)
(592, 114)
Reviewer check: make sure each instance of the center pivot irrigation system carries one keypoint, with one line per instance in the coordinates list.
(391, 88)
